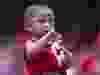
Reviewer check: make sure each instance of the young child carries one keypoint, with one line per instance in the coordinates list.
(40, 57)
(38, 48)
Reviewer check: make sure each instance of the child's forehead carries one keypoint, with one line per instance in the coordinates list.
(46, 17)
(43, 16)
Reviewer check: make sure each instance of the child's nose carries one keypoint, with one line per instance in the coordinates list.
(46, 24)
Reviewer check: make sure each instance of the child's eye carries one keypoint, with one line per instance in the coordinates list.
(42, 20)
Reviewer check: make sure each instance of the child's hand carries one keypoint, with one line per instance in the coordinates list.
(54, 36)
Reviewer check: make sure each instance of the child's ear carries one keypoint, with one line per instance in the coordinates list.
(28, 29)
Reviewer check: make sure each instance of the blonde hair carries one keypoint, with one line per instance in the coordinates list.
(32, 9)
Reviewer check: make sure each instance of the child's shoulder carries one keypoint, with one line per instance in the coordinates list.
(23, 35)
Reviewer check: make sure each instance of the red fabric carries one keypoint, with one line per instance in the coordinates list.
(43, 62)
(21, 37)
(44, 56)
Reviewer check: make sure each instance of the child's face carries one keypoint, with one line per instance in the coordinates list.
(39, 24)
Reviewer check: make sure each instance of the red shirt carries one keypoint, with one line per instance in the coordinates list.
(43, 62)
